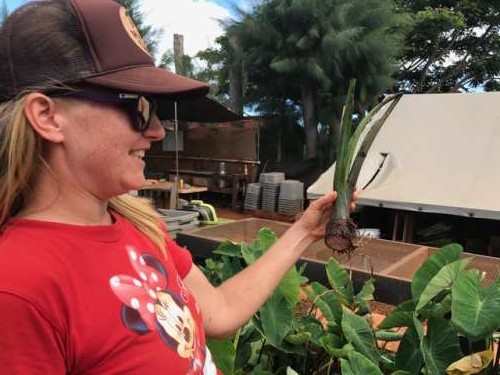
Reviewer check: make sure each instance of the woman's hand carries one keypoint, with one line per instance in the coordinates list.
(315, 217)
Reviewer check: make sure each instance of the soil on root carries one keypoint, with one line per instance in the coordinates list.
(341, 235)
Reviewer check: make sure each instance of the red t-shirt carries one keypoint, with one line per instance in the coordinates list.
(96, 300)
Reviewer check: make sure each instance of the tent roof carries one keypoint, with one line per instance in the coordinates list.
(442, 156)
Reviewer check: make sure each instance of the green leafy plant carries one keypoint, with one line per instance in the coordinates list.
(450, 324)
(341, 231)
(452, 315)
(300, 328)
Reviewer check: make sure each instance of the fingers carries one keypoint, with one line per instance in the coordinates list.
(356, 193)
(355, 196)
(326, 200)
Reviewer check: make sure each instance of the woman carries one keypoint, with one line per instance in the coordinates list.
(90, 282)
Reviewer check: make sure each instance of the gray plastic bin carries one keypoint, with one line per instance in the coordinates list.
(178, 220)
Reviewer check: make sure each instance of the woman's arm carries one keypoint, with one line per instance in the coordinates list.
(232, 304)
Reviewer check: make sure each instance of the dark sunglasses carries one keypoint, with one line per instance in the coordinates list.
(140, 108)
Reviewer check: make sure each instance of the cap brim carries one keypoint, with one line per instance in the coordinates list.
(151, 80)
(168, 88)
(201, 109)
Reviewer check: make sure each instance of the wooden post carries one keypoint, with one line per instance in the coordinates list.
(179, 54)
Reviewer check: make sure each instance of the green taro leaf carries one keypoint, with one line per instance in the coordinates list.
(251, 252)
(357, 364)
(341, 283)
(276, 318)
(440, 347)
(409, 356)
(364, 296)
(360, 334)
(298, 338)
(315, 329)
(327, 303)
(475, 311)
(442, 280)
(228, 248)
(335, 346)
(266, 238)
(223, 353)
(401, 316)
(290, 286)
(432, 265)
(439, 307)
(366, 292)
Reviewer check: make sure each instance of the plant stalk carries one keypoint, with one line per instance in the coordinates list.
(341, 231)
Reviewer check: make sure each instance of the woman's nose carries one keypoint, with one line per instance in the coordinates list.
(155, 129)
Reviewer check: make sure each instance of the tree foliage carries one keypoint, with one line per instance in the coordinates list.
(450, 46)
(216, 71)
(299, 55)
(303, 52)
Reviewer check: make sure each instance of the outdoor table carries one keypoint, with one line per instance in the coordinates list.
(160, 191)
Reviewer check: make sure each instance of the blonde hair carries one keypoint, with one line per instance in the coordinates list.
(140, 212)
(21, 159)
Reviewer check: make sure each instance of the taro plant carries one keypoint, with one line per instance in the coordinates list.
(452, 320)
(341, 231)
(294, 334)
(449, 325)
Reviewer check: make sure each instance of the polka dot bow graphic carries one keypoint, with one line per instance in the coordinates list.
(139, 295)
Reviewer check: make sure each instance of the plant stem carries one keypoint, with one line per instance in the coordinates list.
(341, 231)
(368, 140)
(341, 207)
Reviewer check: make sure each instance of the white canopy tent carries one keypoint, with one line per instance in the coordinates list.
(436, 153)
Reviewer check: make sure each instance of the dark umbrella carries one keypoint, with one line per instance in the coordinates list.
(198, 109)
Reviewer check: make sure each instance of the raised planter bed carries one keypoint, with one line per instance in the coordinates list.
(392, 264)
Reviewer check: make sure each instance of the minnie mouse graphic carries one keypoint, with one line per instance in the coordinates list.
(149, 306)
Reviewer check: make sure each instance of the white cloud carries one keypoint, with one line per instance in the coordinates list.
(197, 21)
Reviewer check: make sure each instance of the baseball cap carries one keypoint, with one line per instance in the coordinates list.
(96, 42)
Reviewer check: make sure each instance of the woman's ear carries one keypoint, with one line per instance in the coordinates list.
(41, 112)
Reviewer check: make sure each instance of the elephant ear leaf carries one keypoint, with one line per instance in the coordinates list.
(340, 281)
(360, 334)
(440, 346)
(474, 309)
(356, 363)
(441, 281)
(445, 255)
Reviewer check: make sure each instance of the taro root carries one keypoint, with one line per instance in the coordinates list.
(341, 232)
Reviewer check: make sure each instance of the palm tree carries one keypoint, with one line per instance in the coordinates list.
(303, 52)
(362, 43)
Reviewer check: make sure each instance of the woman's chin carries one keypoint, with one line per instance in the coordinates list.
(135, 184)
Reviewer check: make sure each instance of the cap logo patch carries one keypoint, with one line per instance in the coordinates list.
(132, 31)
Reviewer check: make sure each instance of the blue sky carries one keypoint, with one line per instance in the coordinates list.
(13, 4)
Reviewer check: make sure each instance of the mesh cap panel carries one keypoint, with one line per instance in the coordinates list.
(30, 60)
(53, 42)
